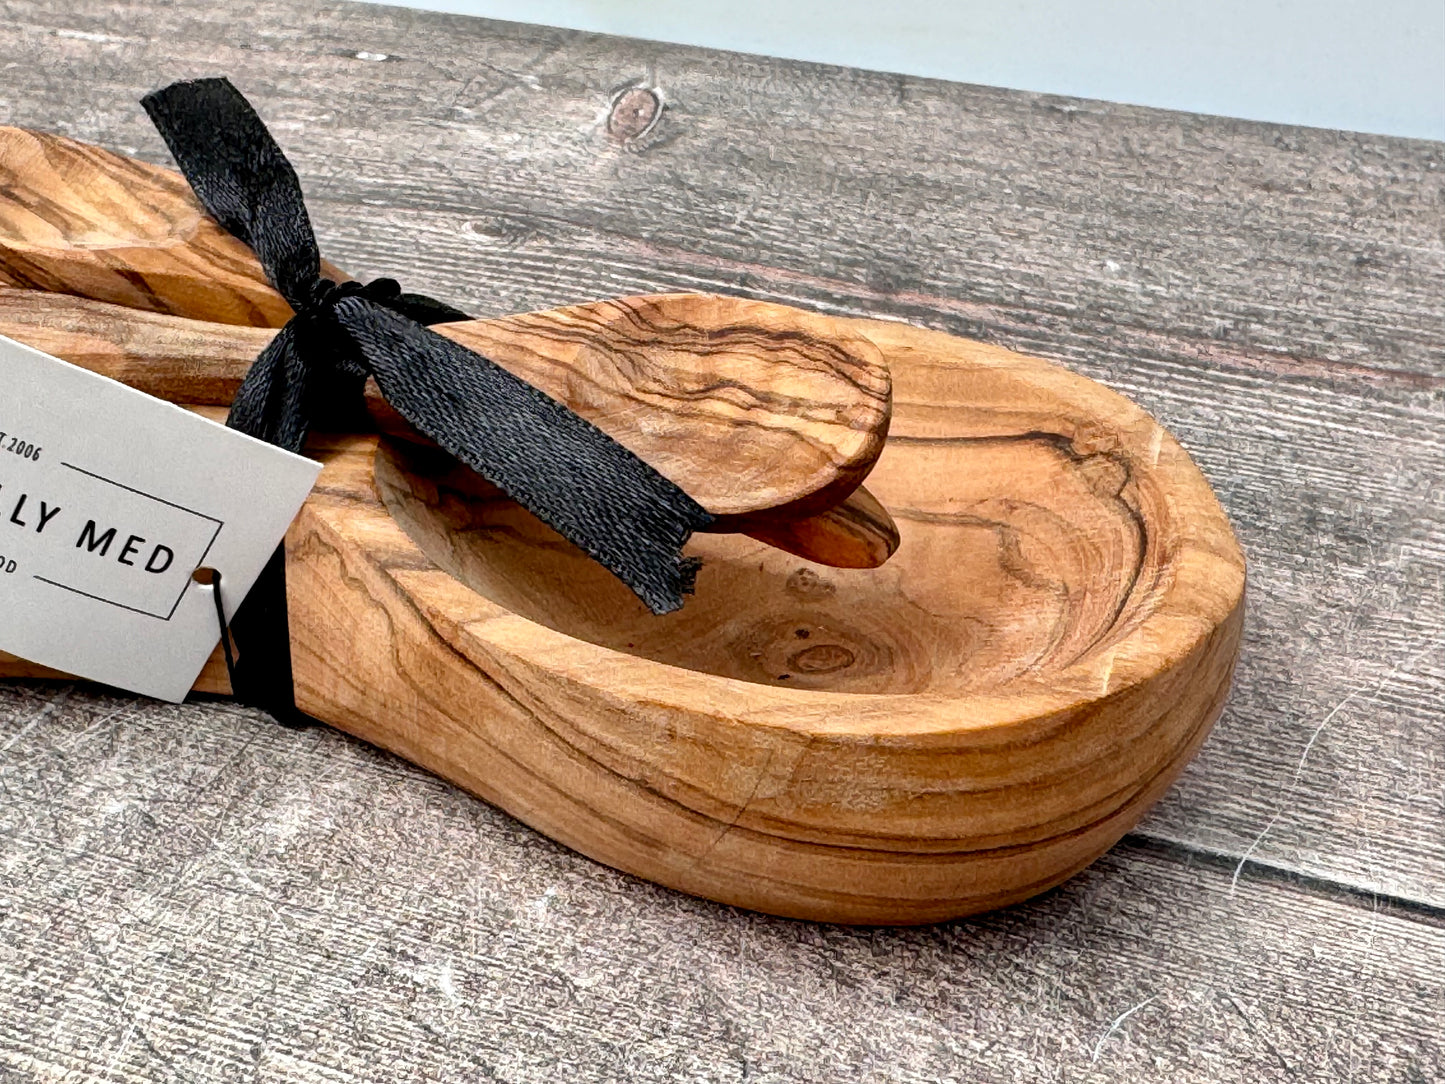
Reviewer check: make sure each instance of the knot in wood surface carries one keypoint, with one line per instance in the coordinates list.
(635, 112)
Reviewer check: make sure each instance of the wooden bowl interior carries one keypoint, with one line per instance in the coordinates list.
(1032, 539)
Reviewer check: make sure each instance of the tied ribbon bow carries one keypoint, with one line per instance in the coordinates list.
(290, 387)
(566, 471)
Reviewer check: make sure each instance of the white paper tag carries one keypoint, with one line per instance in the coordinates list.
(109, 500)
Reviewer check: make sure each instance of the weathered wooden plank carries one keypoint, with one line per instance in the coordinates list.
(1008, 209)
(195, 893)
(1273, 294)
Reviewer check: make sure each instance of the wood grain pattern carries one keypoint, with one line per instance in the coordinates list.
(192, 362)
(1065, 612)
(752, 408)
(764, 414)
(295, 906)
(1065, 615)
(1270, 293)
(83, 220)
(857, 532)
(794, 410)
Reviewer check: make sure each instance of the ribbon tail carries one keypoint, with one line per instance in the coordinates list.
(240, 176)
(560, 467)
(261, 629)
(265, 407)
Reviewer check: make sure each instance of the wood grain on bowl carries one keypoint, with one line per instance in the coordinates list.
(83, 220)
(961, 729)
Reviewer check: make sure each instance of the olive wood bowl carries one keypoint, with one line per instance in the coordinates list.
(961, 729)
(958, 730)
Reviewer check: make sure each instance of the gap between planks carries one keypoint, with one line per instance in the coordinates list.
(1310, 884)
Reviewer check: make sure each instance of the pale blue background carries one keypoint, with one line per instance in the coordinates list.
(1372, 67)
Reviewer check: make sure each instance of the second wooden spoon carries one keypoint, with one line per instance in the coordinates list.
(634, 367)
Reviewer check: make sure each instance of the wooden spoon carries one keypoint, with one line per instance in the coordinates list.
(79, 219)
(791, 409)
(618, 363)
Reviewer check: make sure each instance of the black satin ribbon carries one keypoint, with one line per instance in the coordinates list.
(559, 466)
